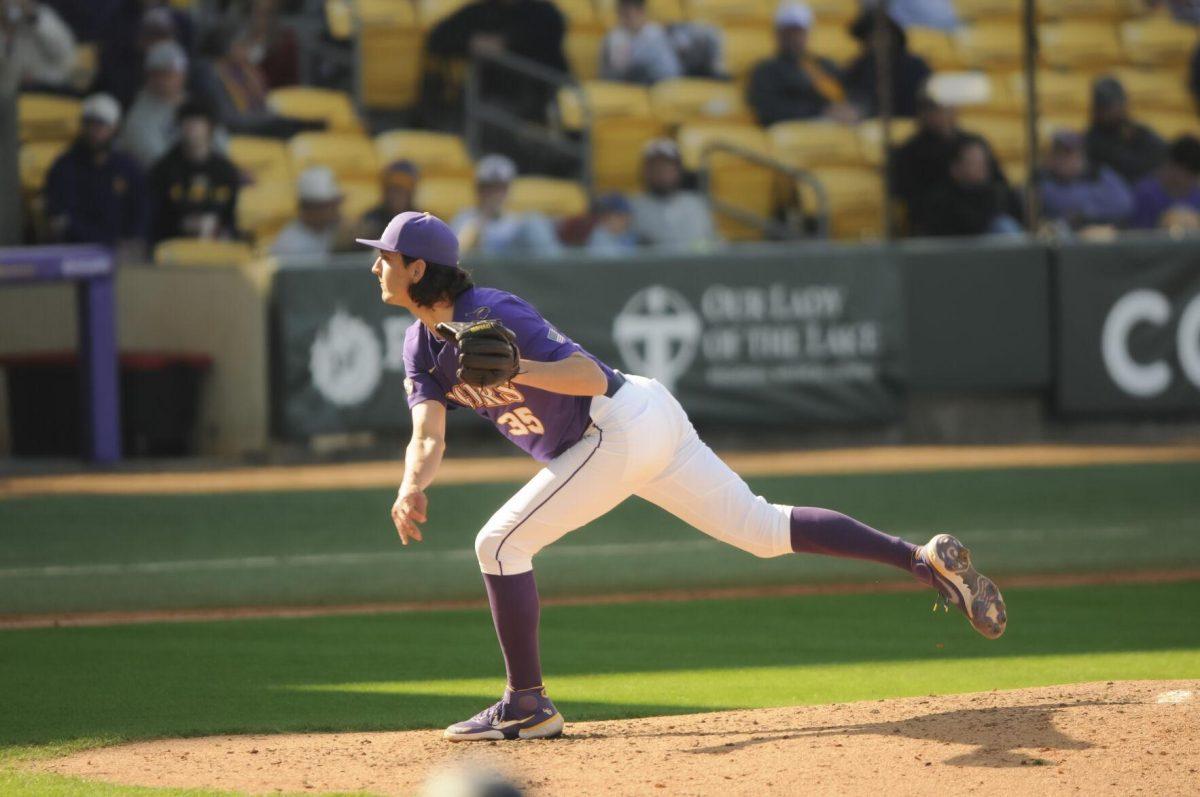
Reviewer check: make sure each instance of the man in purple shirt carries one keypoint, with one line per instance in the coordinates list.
(604, 436)
(1176, 185)
(1079, 193)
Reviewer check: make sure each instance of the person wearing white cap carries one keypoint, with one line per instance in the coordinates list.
(38, 45)
(794, 83)
(93, 193)
(150, 129)
(319, 229)
(665, 214)
(492, 229)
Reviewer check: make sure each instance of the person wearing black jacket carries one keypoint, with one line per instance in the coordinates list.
(908, 72)
(970, 202)
(193, 188)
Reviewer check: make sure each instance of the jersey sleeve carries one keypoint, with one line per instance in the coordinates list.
(537, 338)
(419, 382)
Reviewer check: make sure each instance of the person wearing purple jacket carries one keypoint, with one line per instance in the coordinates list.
(1176, 185)
(1078, 193)
(603, 437)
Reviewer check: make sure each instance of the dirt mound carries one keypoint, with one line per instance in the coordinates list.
(1115, 738)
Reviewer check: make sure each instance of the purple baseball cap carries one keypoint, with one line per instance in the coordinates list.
(418, 235)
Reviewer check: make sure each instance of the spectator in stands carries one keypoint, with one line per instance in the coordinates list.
(151, 127)
(228, 80)
(909, 72)
(319, 230)
(492, 229)
(971, 202)
(665, 214)
(1115, 140)
(194, 188)
(612, 233)
(637, 50)
(922, 163)
(271, 44)
(38, 43)
(794, 83)
(93, 193)
(399, 186)
(1080, 194)
(1173, 188)
(132, 30)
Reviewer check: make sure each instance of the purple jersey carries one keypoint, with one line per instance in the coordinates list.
(542, 423)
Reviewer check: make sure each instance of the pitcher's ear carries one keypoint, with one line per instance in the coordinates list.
(418, 269)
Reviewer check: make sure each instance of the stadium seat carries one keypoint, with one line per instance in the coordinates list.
(351, 157)
(1075, 10)
(617, 144)
(729, 13)
(834, 42)
(35, 160)
(200, 252)
(430, 12)
(1157, 41)
(870, 137)
(1016, 172)
(683, 99)
(810, 144)
(263, 209)
(855, 198)
(582, 48)
(1064, 119)
(548, 195)
(578, 13)
(359, 196)
(657, 10)
(390, 65)
(444, 197)
(386, 12)
(990, 45)
(936, 47)
(1001, 100)
(262, 159)
(327, 105)
(837, 13)
(1057, 91)
(603, 99)
(1171, 125)
(1156, 89)
(339, 19)
(1079, 45)
(987, 10)
(47, 117)
(694, 137)
(745, 47)
(436, 154)
(1006, 136)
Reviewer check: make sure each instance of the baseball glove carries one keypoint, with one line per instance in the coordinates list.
(487, 351)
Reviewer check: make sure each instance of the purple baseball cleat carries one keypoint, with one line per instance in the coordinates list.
(947, 564)
(524, 714)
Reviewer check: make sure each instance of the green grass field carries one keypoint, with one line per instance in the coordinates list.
(66, 688)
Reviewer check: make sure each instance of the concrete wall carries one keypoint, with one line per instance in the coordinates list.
(214, 311)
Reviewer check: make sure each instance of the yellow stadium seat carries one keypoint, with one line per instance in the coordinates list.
(582, 48)
(339, 19)
(200, 252)
(359, 196)
(1171, 125)
(1006, 136)
(870, 137)
(936, 47)
(1002, 100)
(683, 99)
(264, 209)
(35, 161)
(833, 42)
(386, 12)
(435, 154)
(657, 10)
(1057, 91)
(603, 99)
(810, 144)
(351, 157)
(390, 65)
(444, 197)
(1074, 10)
(1157, 41)
(1079, 45)
(694, 137)
(745, 47)
(548, 195)
(263, 159)
(973, 10)
(616, 150)
(1156, 89)
(832, 12)
(990, 45)
(1066, 119)
(327, 105)
(1016, 172)
(431, 12)
(855, 197)
(578, 13)
(47, 117)
(727, 13)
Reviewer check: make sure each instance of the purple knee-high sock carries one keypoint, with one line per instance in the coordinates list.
(515, 612)
(823, 531)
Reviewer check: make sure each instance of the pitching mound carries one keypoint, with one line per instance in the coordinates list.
(1115, 738)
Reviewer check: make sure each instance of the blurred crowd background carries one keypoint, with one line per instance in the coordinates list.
(224, 128)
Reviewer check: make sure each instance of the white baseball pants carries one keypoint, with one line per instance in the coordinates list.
(640, 443)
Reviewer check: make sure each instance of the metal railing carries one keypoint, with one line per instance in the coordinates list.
(770, 227)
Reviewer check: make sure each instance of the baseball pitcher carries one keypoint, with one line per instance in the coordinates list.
(603, 437)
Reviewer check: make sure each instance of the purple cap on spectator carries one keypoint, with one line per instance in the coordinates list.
(419, 235)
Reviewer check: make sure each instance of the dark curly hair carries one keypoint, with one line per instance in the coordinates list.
(439, 283)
